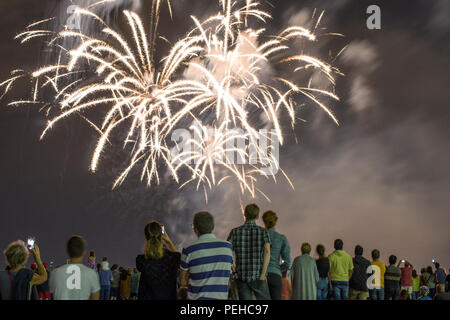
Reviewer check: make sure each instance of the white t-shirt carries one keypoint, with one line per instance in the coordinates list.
(74, 282)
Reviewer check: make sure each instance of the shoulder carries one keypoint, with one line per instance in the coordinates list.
(296, 260)
(175, 255)
(283, 237)
(89, 271)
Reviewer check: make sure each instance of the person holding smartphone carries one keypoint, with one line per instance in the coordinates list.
(158, 265)
(17, 282)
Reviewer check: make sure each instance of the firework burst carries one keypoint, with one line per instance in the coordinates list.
(217, 69)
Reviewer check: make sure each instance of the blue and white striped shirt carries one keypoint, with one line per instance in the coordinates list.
(209, 261)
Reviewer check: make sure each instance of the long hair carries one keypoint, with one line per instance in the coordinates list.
(154, 246)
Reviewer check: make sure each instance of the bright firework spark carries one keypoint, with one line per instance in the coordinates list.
(218, 66)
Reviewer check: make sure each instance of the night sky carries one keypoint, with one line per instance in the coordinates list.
(381, 179)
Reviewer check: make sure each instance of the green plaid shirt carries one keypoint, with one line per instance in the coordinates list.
(248, 243)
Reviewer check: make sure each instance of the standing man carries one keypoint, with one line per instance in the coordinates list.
(358, 281)
(251, 246)
(377, 292)
(106, 276)
(440, 277)
(392, 280)
(206, 263)
(341, 268)
(74, 280)
(406, 281)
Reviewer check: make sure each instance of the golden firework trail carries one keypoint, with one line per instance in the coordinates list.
(218, 68)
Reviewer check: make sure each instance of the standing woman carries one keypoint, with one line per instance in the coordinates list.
(280, 256)
(429, 279)
(323, 266)
(125, 284)
(16, 282)
(158, 265)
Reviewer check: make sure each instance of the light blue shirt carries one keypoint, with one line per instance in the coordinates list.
(279, 250)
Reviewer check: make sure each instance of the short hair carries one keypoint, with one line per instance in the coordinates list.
(359, 250)
(76, 246)
(92, 254)
(320, 249)
(375, 254)
(251, 212)
(424, 291)
(306, 248)
(204, 222)
(338, 244)
(392, 259)
(414, 273)
(437, 265)
(16, 254)
(114, 267)
(270, 219)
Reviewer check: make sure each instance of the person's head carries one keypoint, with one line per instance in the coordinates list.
(359, 250)
(306, 248)
(130, 271)
(338, 244)
(135, 270)
(16, 254)
(392, 259)
(251, 212)
(404, 295)
(320, 249)
(105, 259)
(407, 264)
(203, 223)
(375, 254)
(114, 267)
(437, 265)
(105, 265)
(414, 273)
(154, 247)
(76, 247)
(120, 269)
(424, 291)
(270, 219)
(92, 254)
(422, 271)
(124, 274)
(430, 270)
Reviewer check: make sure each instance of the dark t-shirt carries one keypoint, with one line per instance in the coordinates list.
(323, 266)
(359, 277)
(158, 277)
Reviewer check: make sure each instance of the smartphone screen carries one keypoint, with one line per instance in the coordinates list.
(30, 243)
(163, 229)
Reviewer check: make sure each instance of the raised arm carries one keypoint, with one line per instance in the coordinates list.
(168, 242)
(41, 275)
